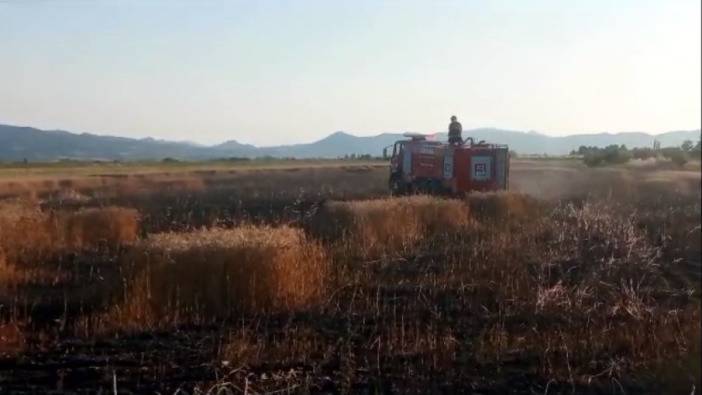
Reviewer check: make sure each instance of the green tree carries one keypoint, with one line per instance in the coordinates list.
(696, 151)
(612, 154)
(687, 145)
(643, 153)
(675, 154)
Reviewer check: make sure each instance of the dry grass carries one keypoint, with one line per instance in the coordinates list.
(25, 232)
(203, 275)
(92, 228)
(578, 293)
(390, 226)
(591, 288)
(12, 340)
(9, 274)
(34, 244)
(28, 234)
(192, 197)
(504, 206)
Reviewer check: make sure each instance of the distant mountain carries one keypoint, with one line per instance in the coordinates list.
(536, 143)
(340, 143)
(18, 143)
(335, 145)
(234, 148)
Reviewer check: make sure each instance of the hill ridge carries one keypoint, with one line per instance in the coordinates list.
(22, 142)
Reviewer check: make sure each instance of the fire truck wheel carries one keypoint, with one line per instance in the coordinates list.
(397, 187)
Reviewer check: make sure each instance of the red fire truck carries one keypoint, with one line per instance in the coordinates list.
(419, 165)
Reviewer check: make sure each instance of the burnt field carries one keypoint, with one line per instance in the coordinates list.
(313, 280)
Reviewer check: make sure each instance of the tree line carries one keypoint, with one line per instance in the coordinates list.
(617, 154)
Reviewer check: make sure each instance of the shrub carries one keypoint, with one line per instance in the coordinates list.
(696, 150)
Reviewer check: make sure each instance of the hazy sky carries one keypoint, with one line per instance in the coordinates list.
(268, 72)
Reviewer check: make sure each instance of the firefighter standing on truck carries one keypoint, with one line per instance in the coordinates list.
(455, 130)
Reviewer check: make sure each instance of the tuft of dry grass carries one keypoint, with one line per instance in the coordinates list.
(25, 231)
(390, 226)
(92, 228)
(202, 275)
(503, 206)
(34, 243)
(12, 340)
(8, 272)
(30, 235)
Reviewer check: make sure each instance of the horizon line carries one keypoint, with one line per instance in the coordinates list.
(545, 134)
